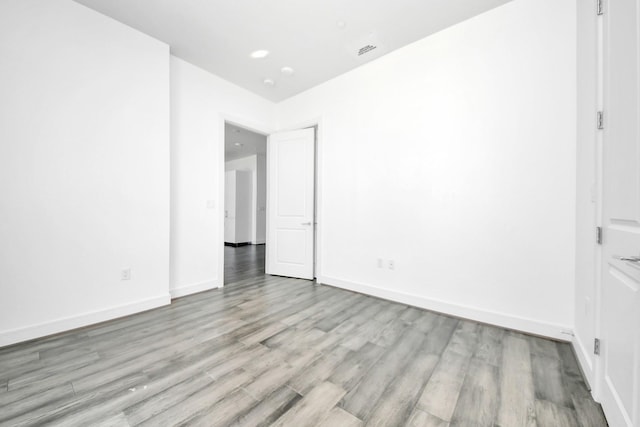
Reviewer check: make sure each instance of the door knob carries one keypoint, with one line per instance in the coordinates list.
(628, 258)
(306, 223)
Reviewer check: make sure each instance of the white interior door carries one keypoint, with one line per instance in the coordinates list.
(620, 293)
(290, 204)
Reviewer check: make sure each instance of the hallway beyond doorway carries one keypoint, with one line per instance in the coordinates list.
(243, 262)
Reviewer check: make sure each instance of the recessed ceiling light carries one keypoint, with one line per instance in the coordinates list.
(341, 24)
(287, 71)
(259, 54)
(269, 82)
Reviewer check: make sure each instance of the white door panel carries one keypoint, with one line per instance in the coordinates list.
(620, 293)
(290, 204)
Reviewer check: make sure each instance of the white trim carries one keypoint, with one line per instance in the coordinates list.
(193, 288)
(68, 323)
(246, 124)
(584, 360)
(531, 326)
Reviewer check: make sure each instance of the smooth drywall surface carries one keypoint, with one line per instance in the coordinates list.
(244, 163)
(84, 168)
(454, 158)
(230, 206)
(587, 189)
(200, 103)
(261, 199)
(248, 163)
(239, 203)
(244, 212)
(258, 165)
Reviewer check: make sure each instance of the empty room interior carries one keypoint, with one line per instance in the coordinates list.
(320, 213)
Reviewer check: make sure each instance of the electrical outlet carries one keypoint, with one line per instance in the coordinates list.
(125, 274)
(391, 264)
(380, 263)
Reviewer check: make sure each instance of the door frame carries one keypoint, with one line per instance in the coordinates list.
(317, 250)
(596, 384)
(265, 130)
(603, 79)
(253, 127)
(602, 74)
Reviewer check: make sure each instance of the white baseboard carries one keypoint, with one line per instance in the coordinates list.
(85, 319)
(193, 288)
(584, 359)
(531, 326)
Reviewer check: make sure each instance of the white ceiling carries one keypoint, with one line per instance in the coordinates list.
(219, 35)
(250, 142)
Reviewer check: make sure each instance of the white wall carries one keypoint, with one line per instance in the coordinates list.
(244, 163)
(229, 206)
(200, 102)
(248, 163)
(239, 206)
(587, 259)
(257, 164)
(84, 168)
(261, 199)
(455, 157)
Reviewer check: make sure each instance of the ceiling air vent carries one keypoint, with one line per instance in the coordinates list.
(366, 49)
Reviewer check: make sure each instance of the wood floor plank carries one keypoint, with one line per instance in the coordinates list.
(543, 347)
(313, 408)
(270, 381)
(223, 412)
(439, 337)
(13, 361)
(268, 349)
(165, 399)
(18, 402)
(44, 376)
(464, 340)
(572, 379)
(588, 413)
(390, 333)
(478, 401)
(329, 324)
(118, 420)
(339, 417)
(396, 404)
(423, 419)
(548, 414)
(363, 334)
(361, 400)
(356, 366)
(517, 395)
(441, 393)
(490, 345)
(548, 381)
(268, 409)
(197, 405)
(319, 370)
(78, 404)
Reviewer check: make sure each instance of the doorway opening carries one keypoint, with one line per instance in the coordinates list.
(245, 202)
(270, 186)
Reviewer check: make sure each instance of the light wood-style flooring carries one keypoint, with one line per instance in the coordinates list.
(277, 351)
